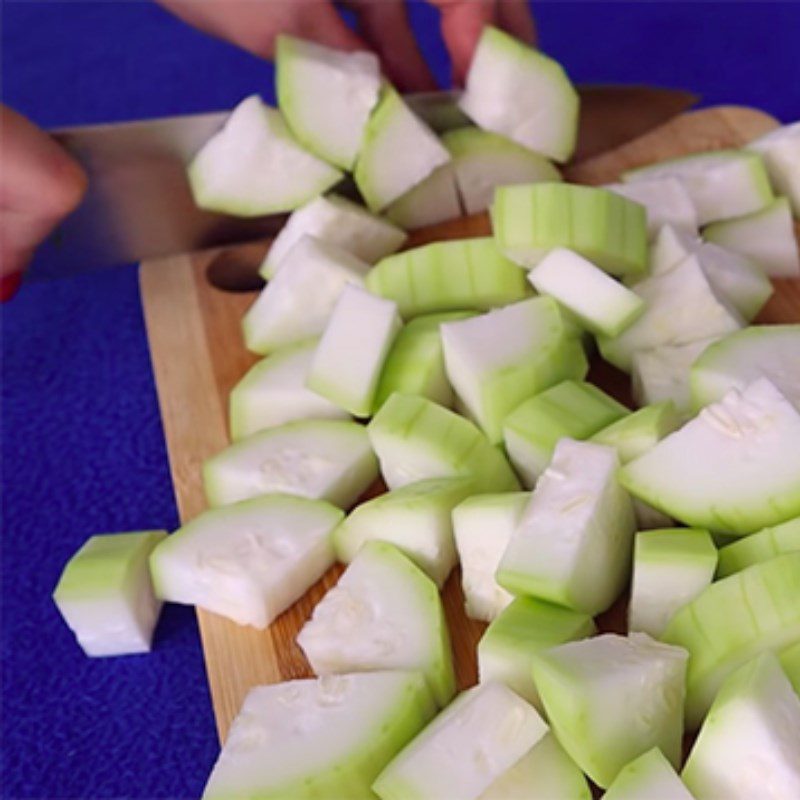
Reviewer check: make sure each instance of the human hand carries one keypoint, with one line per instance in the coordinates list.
(383, 27)
(39, 185)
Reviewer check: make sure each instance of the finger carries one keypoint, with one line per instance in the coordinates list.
(254, 25)
(385, 27)
(462, 23)
(514, 17)
(39, 186)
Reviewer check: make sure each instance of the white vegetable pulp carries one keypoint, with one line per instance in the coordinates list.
(330, 737)
(666, 201)
(319, 459)
(572, 546)
(648, 777)
(249, 561)
(339, 221)
(326, 96)
(780, 150)
(298, 302)
(434, 199)
(734, 468)
(347, 363)
(253, 166)
(384, 613)
(479, 736)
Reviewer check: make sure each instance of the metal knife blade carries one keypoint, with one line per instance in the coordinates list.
(139, 204)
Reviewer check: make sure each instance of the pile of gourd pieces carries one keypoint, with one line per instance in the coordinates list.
(551, 495)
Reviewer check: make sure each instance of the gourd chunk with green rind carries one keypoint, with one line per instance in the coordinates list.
(429, 202)
(495, 361)
(416, 439)
(479, 736)
(732, 621)
(665, 200)
(758, 547)
(254, 166)
(315, 738)
(670, 568)
(454, 275)
(517, 91)
(105, 594)
(573, 543)
(648, 777)
(570, 409)
(734, 468)
(384, 613)
(415, 364)
(780, 150)
(319, 459)
(748, 745)
(507, 648)
(790, 663)
(248, 561)
(482, 526)
(530, 220)
(637, 432)
(612, 698)
(416, 518)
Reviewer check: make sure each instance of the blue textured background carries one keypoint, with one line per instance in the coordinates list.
(82, 445)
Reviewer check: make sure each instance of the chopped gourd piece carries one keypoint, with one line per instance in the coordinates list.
(758, 547)
(648, 777)
(429, 202)
(105, 594)
(573, 544)
(320, 459)
(666, 201)
(248, 561)
(670, 568)
(637, 432)
(790, 663)
(780, 150)
(670, 246)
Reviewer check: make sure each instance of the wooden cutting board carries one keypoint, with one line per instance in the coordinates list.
(198, 356)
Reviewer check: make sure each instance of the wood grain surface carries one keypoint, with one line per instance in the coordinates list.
(198, 356)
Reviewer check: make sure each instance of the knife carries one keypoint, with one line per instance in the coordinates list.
(139, 204)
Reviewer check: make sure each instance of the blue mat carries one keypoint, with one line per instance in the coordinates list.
(82, 444)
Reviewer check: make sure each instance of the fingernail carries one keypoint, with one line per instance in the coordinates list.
(9, 285)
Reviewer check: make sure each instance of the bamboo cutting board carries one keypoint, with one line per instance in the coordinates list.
(198, 356)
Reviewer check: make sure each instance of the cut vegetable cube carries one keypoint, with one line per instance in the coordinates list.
(449, 276)
(671, 246)
(600, 303)
(329, 737)
(790, 663)
(273, 392)
(384, 613)
(483, 733)
(253, 166)
(664, 374)
(482, 161)
(665, 200)
(732, 621)
(482, 526)
(105, 594)
(748, 745)
(670, 568)
(636, 433)
(298, 302)
(571, 409)
(326, 96)
(758, 547)
(506, 651)
(319, 459)
(766, 236)
(416, 439)
(545, 772)
(339, 221)
(780, 150)
(722, 184)
(769, 351)
(432, 200)
(734, 468)
(531, 220)
(515, 90)
(573, 544)
(612, 698)
(398, 151)
(648, 777)
(249, 561)
(415, 364)
(497, 360)
(347, 363)
(415, 518)
(681, 307)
